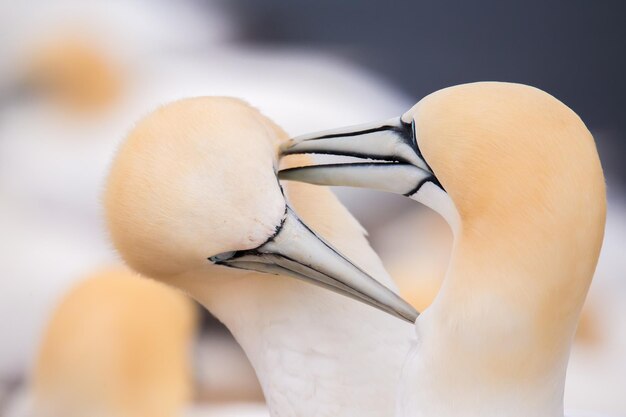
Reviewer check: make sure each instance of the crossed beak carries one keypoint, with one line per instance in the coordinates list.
(395, 163)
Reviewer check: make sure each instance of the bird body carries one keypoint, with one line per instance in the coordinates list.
(517, 176)
(295, 342)
(528, 247)
(196, 178)
(53, 159)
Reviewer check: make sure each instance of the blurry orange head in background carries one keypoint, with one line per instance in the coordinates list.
(76, 72)
(117, 345)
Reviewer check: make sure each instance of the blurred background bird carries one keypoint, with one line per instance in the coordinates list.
(76, 75)
(116, 345)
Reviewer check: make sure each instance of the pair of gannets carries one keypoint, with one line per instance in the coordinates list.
(193, 201)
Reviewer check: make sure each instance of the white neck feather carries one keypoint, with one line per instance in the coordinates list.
(487, 346)
(315, 353)
(477, 361)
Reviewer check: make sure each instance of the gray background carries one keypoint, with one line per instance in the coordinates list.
(573, 49)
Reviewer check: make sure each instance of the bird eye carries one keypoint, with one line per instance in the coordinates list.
(221, 257)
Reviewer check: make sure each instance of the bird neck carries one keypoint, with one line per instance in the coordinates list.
(315, 353)
(496, 340)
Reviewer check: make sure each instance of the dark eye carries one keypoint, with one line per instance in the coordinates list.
(221, 257)
(414, 136)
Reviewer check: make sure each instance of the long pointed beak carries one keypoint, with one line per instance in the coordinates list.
(297, 251)
(396, 164)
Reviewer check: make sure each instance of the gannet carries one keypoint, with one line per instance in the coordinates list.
(516, 175)
(116, 345)
(193, 201)
(53, 159)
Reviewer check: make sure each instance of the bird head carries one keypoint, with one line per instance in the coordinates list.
(513, 170)
(481, 154)
(194, 189)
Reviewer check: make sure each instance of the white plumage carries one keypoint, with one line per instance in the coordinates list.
(516, 175)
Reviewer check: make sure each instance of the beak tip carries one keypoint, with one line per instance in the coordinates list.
(413, 317)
